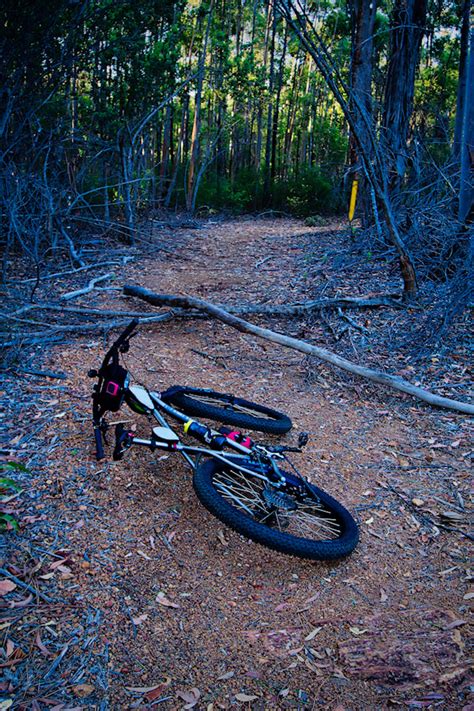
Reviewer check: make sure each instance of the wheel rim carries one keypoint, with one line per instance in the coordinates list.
(310, 520)
(229, 406)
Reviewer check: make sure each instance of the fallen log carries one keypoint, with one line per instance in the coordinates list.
(352, 302)
(377, 376)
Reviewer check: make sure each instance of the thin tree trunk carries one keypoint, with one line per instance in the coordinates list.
(195, 142)
(462, 78)
(363, 19)
(408, 23)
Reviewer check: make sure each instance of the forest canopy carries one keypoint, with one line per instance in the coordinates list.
(111, 111)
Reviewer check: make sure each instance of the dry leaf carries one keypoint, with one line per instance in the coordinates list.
(6, 586)
(140, 619)
(469, 596)
(44, 650)
(453, 516)
(357, 631)
(383, 595)
(6, 704)
(191, 697)
(313, 634)
(163, 600)
(221, 537)
(246, 697)
(83, 690)
(417, 502)
(224, 677)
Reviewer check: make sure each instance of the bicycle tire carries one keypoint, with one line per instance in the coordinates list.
(205, 482)
(227, 409)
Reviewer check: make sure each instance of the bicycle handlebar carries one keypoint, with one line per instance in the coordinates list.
(126, 333)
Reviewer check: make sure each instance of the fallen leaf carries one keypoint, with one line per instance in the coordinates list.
(224, 677)
(469, 596)
(6, 704)
(246, 697)
(83, 690)
(191, 697)
(417, 502)
(140, 619)
(383, 595)
(153, 694)
(357, 631)
(163, 600)
(313, 634)
(221, 537)
(43, 649)
(6, 586)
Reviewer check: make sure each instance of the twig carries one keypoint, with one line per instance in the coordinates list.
(55, 332)
(351, 321)
(75, 271)
(90, 287)
(28, 587)
(43, 373)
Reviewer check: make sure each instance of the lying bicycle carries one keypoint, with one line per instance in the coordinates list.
(251, 487)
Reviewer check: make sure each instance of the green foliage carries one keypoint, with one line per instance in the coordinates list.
(306, 193)
(9, 489)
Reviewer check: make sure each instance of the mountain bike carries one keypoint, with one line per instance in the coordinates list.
(250, 486)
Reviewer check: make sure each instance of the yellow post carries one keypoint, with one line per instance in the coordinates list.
(352, 204)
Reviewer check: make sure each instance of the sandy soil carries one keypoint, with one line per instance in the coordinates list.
(248, 627)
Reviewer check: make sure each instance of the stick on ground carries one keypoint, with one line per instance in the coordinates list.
(377, 376)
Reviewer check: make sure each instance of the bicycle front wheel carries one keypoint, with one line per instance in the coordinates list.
(227, 409)
(313, 525)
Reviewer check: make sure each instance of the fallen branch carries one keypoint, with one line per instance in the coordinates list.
(90, 287)
(276, 310)
(392, 381)
(55, 332)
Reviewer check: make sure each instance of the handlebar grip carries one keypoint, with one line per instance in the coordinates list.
(99, 453)
(126, 333)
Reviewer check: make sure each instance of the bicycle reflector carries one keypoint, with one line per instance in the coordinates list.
(113, 388)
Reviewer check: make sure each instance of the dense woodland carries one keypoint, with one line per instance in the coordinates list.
(111, 112)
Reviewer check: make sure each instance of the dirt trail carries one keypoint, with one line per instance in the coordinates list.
(387, 626)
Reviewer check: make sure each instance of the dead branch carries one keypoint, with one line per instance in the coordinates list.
(278, 310)
(90, 287)
(393, 381)
(55, 331)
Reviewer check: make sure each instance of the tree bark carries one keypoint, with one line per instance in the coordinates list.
(408, 23)
(462, 78)
(363, 19)
(188, 302)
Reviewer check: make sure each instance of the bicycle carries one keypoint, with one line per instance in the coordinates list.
(251, 487)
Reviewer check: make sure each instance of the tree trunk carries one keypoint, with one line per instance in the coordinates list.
(195, 142)
(466, 192)
(462, 79)
(408, 22)
(363, 18)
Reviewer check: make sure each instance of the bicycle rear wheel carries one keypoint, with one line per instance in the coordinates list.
(312, 525)
(227, 409)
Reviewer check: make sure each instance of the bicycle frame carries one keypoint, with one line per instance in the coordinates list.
(250, 458)
(241, 451)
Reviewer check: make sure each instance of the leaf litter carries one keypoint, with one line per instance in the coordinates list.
(398, 465)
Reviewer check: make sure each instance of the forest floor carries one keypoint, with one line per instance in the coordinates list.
(237, 625)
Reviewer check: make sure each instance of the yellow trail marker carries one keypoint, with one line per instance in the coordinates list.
(352, 204)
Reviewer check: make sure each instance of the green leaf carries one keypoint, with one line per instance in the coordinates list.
(6, 483)
(15, 466)
(6, 519)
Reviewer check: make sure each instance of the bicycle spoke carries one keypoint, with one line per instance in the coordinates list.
(310, 520)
